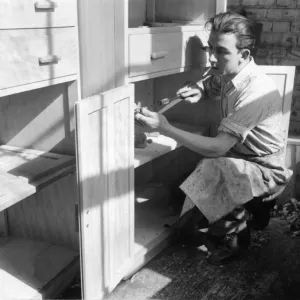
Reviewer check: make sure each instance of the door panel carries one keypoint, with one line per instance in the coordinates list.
(283, 76)
(105, 140)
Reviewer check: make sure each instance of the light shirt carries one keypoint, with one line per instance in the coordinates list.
(251, 109)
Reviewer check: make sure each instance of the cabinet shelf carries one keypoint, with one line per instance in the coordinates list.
(24, 171)
(162, 144)
(34, 270)
(153, 30)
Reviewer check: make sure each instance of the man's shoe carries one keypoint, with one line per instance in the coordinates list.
(232, 246)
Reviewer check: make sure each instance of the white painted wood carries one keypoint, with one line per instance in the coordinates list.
(162, 73)
(37, 13)
(20, 65)
(105, 178)
(153, 30)
(152, 53)
(283, 76)
(221, 6)
(36, 85)
(23, 170)
(97, 45)
(27, 268)
(161, 145)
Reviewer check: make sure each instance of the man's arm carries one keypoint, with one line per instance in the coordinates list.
(207, 146)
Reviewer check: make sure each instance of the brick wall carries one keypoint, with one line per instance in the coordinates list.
(279, 41)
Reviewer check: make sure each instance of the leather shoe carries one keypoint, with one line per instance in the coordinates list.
(231, 246)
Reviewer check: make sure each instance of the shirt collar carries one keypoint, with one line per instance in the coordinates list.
(244, 73)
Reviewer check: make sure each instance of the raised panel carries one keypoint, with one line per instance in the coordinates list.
(105, 172)
(283, 77)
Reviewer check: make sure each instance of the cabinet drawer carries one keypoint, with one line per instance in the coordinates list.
(37, 13)
(28, 56)
(150, 53)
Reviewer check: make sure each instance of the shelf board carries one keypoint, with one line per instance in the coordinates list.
(162, 144)
(165, 29)
(294, 140)
(34, 270)
(164, 73)
(36, 85)
(24, 171)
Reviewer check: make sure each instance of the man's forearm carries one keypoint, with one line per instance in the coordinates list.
(206, 146)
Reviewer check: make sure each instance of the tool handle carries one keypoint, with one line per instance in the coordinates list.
(164, 101)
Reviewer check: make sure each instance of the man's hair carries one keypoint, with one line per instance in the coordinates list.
(242, 27)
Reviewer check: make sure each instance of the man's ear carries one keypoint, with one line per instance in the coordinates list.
(245, 53)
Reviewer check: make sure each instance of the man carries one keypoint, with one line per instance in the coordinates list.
(246, 164)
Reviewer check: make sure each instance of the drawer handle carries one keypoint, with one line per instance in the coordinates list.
(160, 54)
(49, 59)
(45, 5)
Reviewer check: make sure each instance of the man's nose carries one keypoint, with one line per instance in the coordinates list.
(212, 57)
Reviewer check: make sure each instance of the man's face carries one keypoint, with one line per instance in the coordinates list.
(224, 57)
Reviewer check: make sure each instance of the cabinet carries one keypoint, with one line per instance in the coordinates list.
(127, 207)
(39, 84)
(126, 210)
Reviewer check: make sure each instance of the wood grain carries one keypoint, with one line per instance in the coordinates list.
(20, 65)
(97, 46)
(31, 165)
(41, 119)
(105, 172)
(48, 215)
(28, 266)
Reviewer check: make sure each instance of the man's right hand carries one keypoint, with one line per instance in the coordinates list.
(191, 92)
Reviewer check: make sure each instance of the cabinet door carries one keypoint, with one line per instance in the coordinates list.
(105, 156)
(283, 76)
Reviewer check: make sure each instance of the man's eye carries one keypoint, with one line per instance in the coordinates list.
(205, 48)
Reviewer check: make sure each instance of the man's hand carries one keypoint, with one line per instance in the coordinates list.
(152, 120)
(190, 93)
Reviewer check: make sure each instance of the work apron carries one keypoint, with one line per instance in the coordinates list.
(219, 185)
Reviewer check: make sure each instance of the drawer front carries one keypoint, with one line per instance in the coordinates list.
(37, 13)
(150, 53)
(33, 55)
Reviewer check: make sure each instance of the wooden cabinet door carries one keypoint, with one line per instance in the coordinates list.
(105, 156)
(283, 76)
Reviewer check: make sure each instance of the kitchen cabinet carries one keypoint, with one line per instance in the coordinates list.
(39, 86)
(128, 210)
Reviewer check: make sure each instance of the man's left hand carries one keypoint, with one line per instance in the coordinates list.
(152, 120)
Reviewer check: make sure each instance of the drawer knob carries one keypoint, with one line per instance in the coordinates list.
(50, 5)
(160, 54)
(50, 59)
